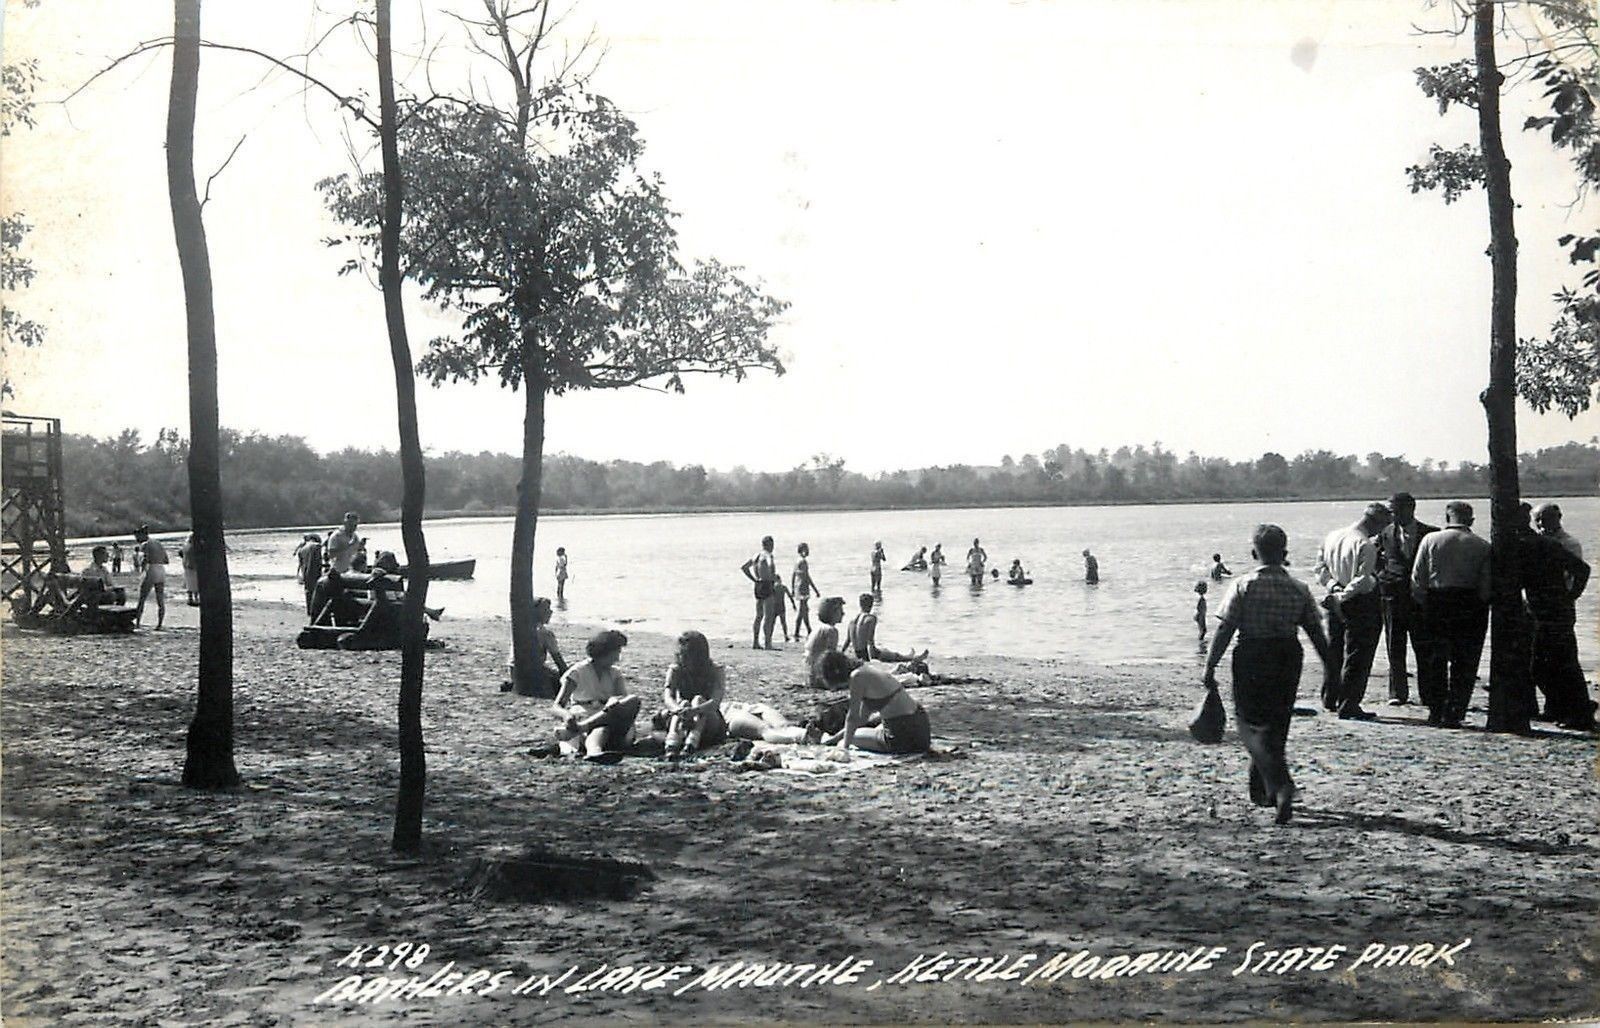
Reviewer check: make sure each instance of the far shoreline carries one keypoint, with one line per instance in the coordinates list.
(440, 517)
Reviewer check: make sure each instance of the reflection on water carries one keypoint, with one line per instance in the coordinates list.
(676, 571)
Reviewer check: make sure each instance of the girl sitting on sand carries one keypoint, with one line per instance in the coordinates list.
(824, 640)
(883, 717)
(594, 702)
(692, 698)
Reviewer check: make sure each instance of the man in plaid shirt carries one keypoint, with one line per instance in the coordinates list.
(1267, 608)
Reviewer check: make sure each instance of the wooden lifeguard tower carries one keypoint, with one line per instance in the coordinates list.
(32, 515)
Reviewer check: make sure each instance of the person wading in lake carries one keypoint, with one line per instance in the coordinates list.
(976, 559)
(1219, 570)
(1091, 569)
(762, 571)
(936, 562)
(1450, 585)
(1347, 565)
(1267, 609)
(561, 574)
(1397, 553)
(878, 557)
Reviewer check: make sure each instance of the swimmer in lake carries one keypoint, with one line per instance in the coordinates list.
(1091, 569)
(1200, 607)
(976, 559)
(1018, 576)
(936, 562)
(878, 557)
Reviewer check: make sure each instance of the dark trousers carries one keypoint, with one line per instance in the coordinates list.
(1401, 620)
(1353, 630)
(1266, 676)
(1448, 666)
(1555, 671)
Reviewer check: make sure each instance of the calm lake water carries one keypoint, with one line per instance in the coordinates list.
(669, 572)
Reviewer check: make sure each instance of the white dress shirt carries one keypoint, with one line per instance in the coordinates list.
(1348, 560)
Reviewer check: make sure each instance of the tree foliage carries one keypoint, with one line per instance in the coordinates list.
(115, 483)
(1558, 371)
(17, 84)
(571, 242)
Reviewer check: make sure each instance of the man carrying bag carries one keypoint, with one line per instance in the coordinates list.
(1267, 608)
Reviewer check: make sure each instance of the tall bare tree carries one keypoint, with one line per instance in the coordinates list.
(208, 763)
(413, 762)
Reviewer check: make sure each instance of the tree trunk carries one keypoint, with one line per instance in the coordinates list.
(414, 630)
(1507, 664)
(527, 660)
(208, 762)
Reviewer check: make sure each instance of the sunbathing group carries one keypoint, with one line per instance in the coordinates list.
(598, 712)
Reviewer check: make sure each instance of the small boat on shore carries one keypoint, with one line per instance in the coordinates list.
(450, 569)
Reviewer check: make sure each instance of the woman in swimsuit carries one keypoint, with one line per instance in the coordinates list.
(883, 717)
(801, 585)
(936, 562)
(976, 559)
(878, 557)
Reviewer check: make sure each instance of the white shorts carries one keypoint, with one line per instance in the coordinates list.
(155, 574)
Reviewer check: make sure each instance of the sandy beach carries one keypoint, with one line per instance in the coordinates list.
(1068, 811)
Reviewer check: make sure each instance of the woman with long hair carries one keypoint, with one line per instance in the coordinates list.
(692, 698)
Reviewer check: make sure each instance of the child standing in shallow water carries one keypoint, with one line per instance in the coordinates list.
(1200, 608)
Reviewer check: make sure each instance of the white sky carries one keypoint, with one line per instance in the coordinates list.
(1002, 226)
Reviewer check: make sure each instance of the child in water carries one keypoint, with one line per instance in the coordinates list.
(1200, 608)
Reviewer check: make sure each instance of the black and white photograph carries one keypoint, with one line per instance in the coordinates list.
(799, 511)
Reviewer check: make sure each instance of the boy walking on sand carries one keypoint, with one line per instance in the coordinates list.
(1267, 608)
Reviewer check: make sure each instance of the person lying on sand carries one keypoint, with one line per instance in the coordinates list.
(901, 723)
(863, 637)
(594, 700)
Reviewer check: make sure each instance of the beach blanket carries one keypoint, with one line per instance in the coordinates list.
(802, 762)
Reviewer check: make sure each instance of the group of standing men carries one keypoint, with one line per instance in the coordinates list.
(1391, 574)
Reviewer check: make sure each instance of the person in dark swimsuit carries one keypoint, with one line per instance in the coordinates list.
(883, 717)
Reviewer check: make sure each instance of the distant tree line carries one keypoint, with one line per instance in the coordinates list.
(115, 483)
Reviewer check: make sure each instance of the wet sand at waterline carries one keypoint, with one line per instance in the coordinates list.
(1070, 811)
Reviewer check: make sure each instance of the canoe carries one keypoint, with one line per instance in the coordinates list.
(450, 569)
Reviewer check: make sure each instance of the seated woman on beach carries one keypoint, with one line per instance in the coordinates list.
(863, 638)
(594, 700)
(544, 645)
(699, 716)
(824, 640)
(692, 698)
(883, 717)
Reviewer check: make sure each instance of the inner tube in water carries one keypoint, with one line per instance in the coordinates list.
(1019, 581)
